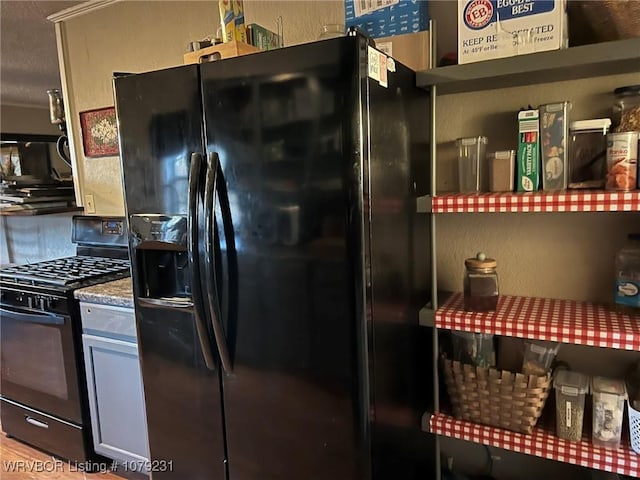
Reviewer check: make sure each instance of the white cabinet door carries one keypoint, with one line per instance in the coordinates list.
(116, 398)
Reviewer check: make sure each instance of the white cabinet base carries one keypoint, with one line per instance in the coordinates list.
(116, 399)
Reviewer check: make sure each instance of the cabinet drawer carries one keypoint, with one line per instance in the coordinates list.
(119, 321)
(37, 428)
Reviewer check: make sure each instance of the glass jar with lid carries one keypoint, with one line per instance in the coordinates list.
(480, 284)
(626, 109)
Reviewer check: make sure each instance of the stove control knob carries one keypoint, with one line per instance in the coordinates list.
(29, 301)
(43, 303)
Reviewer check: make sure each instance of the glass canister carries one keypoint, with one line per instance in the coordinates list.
(472, 167)
(480, 284)
(626, 109)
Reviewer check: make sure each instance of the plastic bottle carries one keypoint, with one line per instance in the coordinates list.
(627, 287)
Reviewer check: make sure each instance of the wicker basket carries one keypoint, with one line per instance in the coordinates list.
(496, 397)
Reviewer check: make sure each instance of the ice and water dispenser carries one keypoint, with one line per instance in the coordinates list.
(161, 258)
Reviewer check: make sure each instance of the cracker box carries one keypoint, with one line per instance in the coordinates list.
(384, 18)
(528, 162)
(503, 28)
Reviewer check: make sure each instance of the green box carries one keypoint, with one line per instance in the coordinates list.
(262, 38)
(528, 164)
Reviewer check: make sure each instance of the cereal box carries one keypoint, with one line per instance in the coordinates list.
(503, 28)
(232, 20)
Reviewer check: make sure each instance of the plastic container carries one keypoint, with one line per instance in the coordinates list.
(609, 396)
(538, 356)
(480, 284)
(571, 388)
(634, 426)
(331, 30)
(632, 380)
(502, 166)
(626, 109)
(588, 153)
(472, 165)
(475, 349)
(627, 287)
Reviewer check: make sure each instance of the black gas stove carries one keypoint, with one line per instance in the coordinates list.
(43, 385)
(72, 272)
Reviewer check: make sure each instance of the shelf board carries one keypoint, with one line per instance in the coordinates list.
(580, 323)
(423, 204)
(39, 211)
(538, 202)
(427, 317)
(598, 59)
(541, 443)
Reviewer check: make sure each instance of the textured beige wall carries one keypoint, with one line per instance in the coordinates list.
(551, 255)
(302, 20)
(132, 36)
(138, 36)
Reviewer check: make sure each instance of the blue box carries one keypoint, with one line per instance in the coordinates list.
(406, 16)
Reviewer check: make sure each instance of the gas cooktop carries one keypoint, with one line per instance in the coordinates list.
(66, 272)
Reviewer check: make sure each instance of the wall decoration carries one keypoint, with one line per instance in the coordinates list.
(99, 132)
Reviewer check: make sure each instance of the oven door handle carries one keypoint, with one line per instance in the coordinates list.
(36, 423)
(41, 318)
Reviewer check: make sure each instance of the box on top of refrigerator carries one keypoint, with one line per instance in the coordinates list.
(384, 18)
(503, 28)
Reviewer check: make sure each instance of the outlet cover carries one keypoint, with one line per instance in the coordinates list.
(89, 204)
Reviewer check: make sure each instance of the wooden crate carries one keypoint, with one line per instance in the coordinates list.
(226, 50)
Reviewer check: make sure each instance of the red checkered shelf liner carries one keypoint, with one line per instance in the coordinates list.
(583, 201)
(541, 444)
(566, 321)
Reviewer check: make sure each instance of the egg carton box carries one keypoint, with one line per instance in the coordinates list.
(490, 29)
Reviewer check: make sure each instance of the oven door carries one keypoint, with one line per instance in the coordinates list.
(38, 361)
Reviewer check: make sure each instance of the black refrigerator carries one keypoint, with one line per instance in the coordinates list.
(278, 264)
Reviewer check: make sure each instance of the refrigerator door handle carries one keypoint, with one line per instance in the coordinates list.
(213, 163)
(231, 272)
(192, 253)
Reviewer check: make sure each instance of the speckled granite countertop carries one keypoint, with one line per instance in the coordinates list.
(118, 293)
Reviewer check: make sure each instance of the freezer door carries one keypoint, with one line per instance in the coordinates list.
(160, 127)
(287, 213)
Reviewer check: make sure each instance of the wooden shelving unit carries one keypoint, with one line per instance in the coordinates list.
(543, 202)
(564, 321)
(541, 443)
(598, 59)
(580, 323)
